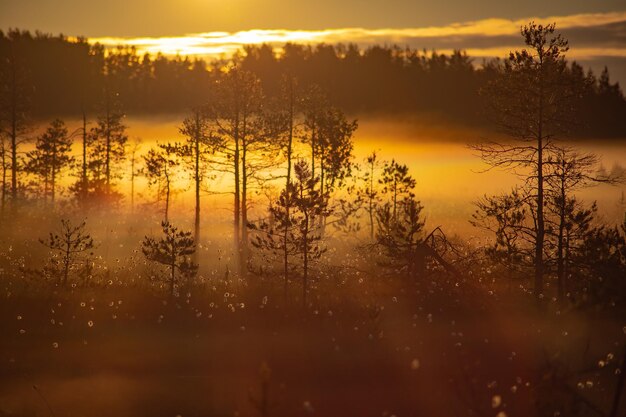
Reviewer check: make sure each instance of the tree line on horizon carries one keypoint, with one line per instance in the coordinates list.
(65, 77)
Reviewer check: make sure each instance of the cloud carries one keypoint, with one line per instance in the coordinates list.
(590, 35)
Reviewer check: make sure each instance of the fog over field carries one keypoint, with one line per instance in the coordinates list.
(450, 176)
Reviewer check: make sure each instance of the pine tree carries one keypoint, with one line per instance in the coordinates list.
(159, 168)
(329, 135)
(397, 185)
(134, 171)
(533, 101)
(68, 245)
(401, 234)
(370, 194)
(507, 216)
(173, 250)
(307, 205)
(567, 172)
(243, 126)
(15, 103)
(107, 151)
(51, 157)
(4, 153)
(235, 100)
(197, 152)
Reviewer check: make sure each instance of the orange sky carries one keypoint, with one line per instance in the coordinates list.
(503, 34)
(135, 18)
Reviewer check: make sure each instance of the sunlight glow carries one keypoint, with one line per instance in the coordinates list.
(216, 44)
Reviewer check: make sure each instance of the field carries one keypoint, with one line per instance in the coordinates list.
(370, 343)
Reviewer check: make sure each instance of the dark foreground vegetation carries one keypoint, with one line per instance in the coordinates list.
(327, 293)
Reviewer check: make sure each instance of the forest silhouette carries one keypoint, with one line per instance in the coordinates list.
(68, 75)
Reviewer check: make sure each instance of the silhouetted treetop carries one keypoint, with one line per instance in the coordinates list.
(69, 73)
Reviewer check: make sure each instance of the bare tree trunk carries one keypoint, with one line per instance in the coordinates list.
(313, 139)
(288, 182)
(322, 174)
(243, 248)
(371, 201)
(66, 261)
(13, 166)
(236, 161)
(305, 255)
(46, 190)
(395, 198)
(84, 187)
(173, 272)
(244, 208)
(540, 197)
(132, 179)
(566, 264)
(13, 134)
(167, 195)
(53, 175)
(197, 180)
(560, 264)
(4, 180)
(560, 246)
(107, 172)
(322, 220)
